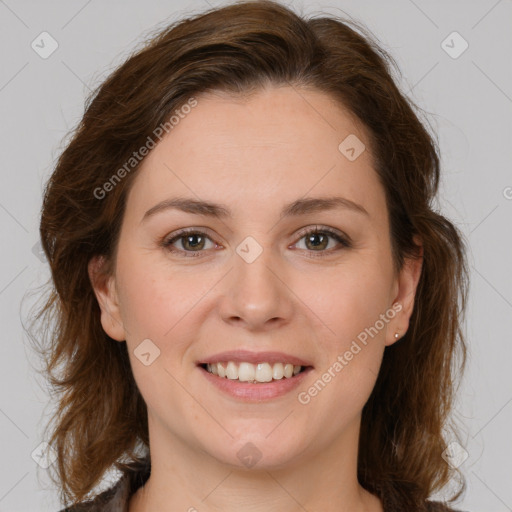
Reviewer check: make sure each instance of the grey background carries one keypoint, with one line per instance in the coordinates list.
(470, 104)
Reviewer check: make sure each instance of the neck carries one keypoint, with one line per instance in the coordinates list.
(185, 478)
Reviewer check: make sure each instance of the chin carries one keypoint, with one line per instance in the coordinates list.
(257, 451)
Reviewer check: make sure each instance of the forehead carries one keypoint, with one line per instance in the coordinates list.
(269, 148)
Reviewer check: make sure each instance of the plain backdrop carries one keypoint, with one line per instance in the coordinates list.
(467, 95)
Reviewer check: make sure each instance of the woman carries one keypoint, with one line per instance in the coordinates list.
(256, 305)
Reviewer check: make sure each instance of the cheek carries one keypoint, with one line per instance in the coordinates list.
(161, 304)
(153, 295)
(156, 306)
(348, 299)
(145, 308)
(352, 302)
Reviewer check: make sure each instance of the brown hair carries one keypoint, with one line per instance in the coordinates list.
(101, 419)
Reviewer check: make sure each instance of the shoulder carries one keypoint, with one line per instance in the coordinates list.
(116, 498)
(111, 500)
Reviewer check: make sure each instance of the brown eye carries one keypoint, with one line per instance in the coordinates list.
(191, 242)
(317, 241)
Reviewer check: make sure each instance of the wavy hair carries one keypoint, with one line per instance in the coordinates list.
(100, 422)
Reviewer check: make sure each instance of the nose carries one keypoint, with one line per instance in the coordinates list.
(256, 294)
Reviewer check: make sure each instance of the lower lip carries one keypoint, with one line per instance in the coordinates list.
(249, 392)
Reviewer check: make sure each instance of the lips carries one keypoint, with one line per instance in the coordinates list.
(264, 386)
(256, 392)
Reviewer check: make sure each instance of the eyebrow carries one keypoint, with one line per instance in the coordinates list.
(296, 208)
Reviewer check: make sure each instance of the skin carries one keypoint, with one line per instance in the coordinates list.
(254, 156)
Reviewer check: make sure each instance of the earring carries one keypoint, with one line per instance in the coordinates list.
(396, 335)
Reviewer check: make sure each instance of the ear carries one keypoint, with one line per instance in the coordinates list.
(405, 292)
(104, 288)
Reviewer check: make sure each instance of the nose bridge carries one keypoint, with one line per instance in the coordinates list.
(257, 293)
(253, 277)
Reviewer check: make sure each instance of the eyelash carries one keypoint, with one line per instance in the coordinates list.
(345, 242)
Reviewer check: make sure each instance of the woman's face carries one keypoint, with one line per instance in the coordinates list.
(254, 287)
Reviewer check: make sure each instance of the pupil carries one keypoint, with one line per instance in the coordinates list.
(191, 237)
(315, 235)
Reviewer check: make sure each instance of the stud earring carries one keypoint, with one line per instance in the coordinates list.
(396, 335)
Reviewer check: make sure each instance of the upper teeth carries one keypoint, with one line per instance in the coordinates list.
(245, 372)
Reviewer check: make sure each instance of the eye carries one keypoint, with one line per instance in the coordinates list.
(193, 242)
(318, 239)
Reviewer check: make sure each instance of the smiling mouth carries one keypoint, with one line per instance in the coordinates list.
(253, 373)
